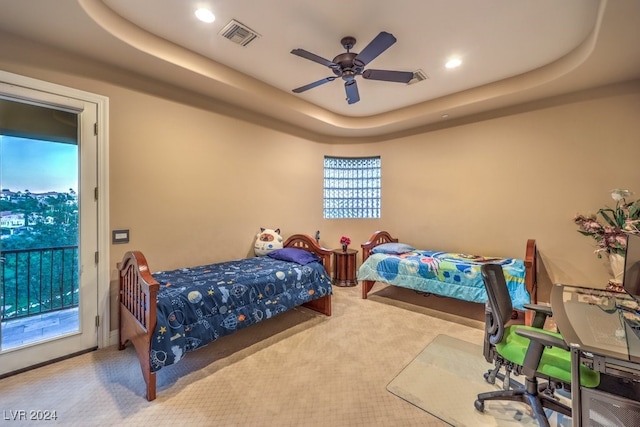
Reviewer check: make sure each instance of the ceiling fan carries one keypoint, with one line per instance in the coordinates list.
(348, 65)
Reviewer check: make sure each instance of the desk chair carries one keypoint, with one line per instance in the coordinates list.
(528, 350)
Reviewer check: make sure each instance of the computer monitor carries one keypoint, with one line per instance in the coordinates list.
(631, 279)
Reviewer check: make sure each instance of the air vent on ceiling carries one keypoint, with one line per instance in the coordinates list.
(418, 76)
(238, 33)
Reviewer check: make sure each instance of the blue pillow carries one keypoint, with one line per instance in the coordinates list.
(299, 256)
(392, 248)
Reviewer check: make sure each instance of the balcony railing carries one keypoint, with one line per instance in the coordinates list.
(36, 281)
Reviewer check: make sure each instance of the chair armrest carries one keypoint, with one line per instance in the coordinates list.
(543, 338)
(540, 308)
(541, 314)
(538, 340)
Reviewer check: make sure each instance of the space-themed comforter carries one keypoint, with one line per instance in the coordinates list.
(442, 273)
(198, 305)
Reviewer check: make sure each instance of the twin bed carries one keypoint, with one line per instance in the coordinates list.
(167, 314)
(453, 275)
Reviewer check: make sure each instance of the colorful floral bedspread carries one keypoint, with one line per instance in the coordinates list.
(198, 305)
(447, 274)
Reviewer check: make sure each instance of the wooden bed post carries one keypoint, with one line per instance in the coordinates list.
(137, 312)
(303, 241)
(531, 277)
(377, 238)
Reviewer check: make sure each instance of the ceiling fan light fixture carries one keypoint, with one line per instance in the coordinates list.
(205, 15)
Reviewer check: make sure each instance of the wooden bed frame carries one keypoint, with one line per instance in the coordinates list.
(137, 302)
(530, 264)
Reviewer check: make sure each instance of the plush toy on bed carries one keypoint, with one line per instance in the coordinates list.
(267, 240)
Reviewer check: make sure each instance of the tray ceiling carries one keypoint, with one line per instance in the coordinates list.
(511, 52)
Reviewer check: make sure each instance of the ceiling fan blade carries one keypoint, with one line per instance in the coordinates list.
(388, 75)
(313, 57)
(378, 45)
(314, 84)
(351, 87)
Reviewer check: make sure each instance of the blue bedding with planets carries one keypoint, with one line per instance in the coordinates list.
(442, 273)
(200, 304)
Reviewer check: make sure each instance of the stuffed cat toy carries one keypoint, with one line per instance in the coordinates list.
(267, 240)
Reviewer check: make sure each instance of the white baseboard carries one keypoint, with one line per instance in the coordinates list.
(113, 338)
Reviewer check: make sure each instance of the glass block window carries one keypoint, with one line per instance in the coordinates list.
(352, 187)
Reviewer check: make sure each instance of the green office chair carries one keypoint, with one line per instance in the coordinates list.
(528, 350)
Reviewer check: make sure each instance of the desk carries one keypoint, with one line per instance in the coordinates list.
(344, 267)
(594, 327)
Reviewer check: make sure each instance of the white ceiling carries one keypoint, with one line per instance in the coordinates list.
(495, 38)
(512, 52)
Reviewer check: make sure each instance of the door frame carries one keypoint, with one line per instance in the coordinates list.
(102, 103)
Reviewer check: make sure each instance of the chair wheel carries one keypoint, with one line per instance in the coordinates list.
(479, 405)
(488, 378)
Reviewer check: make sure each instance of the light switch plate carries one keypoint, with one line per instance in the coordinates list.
(119, 236)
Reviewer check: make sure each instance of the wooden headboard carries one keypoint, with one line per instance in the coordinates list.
(308, 243)
(377, 238)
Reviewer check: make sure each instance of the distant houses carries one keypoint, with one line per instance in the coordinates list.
(10, 222)
(14, 222)
(13, 196)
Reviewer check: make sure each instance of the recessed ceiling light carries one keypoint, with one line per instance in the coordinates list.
(205, 15)
(453, 63)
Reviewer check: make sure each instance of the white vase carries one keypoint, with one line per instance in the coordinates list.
(616, 262)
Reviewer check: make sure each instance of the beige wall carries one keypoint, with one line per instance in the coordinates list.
(195, 185)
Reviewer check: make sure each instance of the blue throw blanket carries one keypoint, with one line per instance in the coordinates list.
(447, 274)
(198, 305)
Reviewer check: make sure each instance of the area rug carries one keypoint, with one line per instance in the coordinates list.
(444, 380)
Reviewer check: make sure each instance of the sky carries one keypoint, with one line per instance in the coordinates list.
(37, 166)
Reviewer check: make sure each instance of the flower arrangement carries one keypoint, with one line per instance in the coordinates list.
(611, 236)
(345, 241)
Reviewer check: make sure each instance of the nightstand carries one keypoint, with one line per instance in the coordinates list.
(344, 267)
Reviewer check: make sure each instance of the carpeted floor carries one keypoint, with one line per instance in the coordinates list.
(300, 368)
(448, 371)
